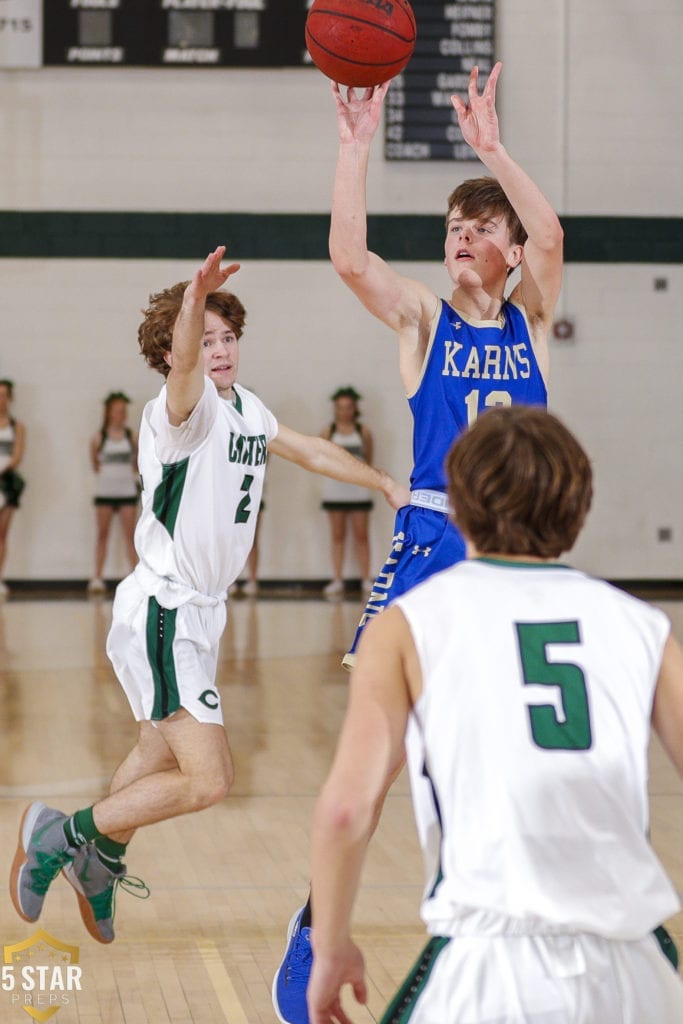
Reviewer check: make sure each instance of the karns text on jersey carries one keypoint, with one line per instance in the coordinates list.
(495, 362)
(248, 449)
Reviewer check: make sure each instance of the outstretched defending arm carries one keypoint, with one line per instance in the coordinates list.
(321, 456)
(185, 382)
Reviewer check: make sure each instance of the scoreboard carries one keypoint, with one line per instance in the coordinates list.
(420, 122)
(162, 33)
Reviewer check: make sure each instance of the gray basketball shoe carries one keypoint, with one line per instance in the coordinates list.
(42, 852)
(95, 886)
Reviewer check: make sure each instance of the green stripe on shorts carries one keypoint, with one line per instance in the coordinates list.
(403, 1003)
(160, 635)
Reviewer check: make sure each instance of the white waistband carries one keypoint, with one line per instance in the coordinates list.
(173, 593)
(436, 500)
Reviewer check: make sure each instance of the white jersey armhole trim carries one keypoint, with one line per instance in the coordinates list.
(432, 333)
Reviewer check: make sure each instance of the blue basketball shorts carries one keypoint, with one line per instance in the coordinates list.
(425, 542)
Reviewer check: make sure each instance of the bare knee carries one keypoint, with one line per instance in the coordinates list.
(203, 759)
(210, 787)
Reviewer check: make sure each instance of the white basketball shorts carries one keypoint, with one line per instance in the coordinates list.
(566, 979)
(164, 658)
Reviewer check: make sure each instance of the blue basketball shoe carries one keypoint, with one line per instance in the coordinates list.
(291, 980)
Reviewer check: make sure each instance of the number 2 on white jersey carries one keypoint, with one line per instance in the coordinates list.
(243, 510)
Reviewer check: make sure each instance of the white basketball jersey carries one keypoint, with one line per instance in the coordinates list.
(202, 484)
(532, 731)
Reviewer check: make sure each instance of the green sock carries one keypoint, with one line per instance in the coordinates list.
(81, 829)
(109, 851)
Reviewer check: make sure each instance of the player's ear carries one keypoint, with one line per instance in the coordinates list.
(168, 357)
(515, 256)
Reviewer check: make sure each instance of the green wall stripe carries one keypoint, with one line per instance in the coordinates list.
(291, 236)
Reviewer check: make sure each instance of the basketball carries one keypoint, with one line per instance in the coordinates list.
(360, 42)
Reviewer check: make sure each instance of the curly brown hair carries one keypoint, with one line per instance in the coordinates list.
(484, 197)
(520, 483)
(155, 333)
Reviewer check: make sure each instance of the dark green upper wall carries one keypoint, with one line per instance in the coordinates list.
(290, 236)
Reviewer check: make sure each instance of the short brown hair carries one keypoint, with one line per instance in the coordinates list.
(520, 483)
(483, 197)
(155, 333)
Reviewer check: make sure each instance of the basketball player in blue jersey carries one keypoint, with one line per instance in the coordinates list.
(461, 355)
(457, 356)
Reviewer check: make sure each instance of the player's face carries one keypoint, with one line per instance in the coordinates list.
(4, 398)
(478, 250)
(220, 350)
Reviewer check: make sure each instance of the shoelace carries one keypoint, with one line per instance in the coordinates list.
(299, 962)
(104, 903)
(48, 867)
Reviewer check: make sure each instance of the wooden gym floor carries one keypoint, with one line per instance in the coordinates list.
(224, 882)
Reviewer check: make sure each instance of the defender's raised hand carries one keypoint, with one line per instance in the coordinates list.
(477, 118)
(211, 276)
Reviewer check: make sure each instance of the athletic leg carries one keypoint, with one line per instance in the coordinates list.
(186, 768)
(6, 514)
(128, 518)
(359, 526)
(338, 543)
(103, 517)
(161, 777)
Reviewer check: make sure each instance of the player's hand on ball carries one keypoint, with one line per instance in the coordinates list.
(358, 115)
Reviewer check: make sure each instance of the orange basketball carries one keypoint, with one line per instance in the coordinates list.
(360, 42)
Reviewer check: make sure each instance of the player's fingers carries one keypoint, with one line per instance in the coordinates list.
(473, 84)
(213, 260)
(339, 1015)
(360, 991)
(490, 87)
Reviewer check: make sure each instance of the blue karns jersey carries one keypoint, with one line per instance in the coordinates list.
(470, 366)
